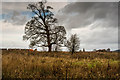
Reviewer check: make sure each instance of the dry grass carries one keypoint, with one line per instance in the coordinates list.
(59, 65)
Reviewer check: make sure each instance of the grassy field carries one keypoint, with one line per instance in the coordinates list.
(24, 64)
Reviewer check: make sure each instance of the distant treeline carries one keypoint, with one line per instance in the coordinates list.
(9, 49)
(99, 50)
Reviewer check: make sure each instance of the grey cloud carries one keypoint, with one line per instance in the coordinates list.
(103, 37)
(16, 18)
(100, 19)
(76, 7)
(14, 9)
(12, 12)
(82, 14)
(11, 6)
(99, 38)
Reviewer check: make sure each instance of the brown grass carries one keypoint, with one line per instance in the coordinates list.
(16, 64)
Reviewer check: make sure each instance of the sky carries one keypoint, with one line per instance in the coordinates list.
(95, 23)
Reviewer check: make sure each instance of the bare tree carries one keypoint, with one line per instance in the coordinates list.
(83, 49)
(73, 44)
(42, 29)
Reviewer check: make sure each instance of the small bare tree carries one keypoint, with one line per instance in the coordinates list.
(73, 44)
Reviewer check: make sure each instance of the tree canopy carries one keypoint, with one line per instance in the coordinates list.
(42, 29)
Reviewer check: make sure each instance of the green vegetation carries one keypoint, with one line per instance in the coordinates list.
(22, 64)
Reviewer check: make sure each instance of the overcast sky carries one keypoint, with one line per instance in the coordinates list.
(96, 23)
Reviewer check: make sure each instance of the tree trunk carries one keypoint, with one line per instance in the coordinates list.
(49, 48)
(72, 51)
(48, 39)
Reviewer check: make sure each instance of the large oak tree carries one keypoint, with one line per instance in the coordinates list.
(42, 29)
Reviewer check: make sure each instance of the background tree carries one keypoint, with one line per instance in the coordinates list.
(56, 48)
(83, 49)
(73, 44)
(41, 30)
